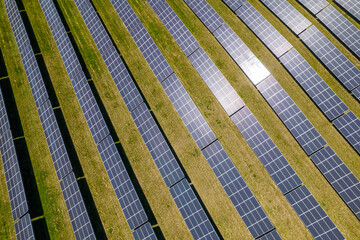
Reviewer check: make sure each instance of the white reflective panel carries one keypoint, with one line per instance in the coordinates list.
(255, 70)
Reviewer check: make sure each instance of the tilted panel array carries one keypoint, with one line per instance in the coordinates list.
(314, 6)
(24, 229)
(277, 44)
(234, 4)
(340, 177)
(144, 232)
(288, 14)
(254, 133)
(313, 216)
(331, 57)
(351, 6)
(323, 96)
(356, 93)
(341, 27)
(76, 207)
(349, 126)
(121, 182)
(49, 124)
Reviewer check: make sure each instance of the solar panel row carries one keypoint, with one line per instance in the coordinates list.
(349, 126)
(115, 168)
(257, 138)
(61, 161)
(341, 27)
(351, 6)
(24, 229)
(314, 6)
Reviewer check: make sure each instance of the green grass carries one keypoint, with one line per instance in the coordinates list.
(203, 179)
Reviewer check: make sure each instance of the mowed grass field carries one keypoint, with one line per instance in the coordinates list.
(160, 203)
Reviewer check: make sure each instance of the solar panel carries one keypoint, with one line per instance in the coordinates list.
(356, 93)
(152, 54)
(61, 38)
(189, 113)
(314, 6)
(349, 126)
(130, 203)
(145, 232)
(4, 121)
(159, 149)
(331, 57)
(297, 123)
(277, 44)
(265, 149)
(312, 215)
(24, 229)
(341, 28)
(90, 108)
(292, 18)
(273, 235)
(351, 6)
(340, 177)
(234, 4)
(54, 140)
(215, 80)
(125, 84)
(176, 27)
(317, 89)
(191, 210)
(205, 13)
(13, 178)
(127, 14)
(156, 4)
(237, 190)
(76, 208)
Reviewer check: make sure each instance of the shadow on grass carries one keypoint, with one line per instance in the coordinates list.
(3, 71)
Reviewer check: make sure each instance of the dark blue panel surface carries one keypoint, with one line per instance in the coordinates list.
(24, 229)
(145, 232)
(314, 6)
(234, 4)
(349, 126)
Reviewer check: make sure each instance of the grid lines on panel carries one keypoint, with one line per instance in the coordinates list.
(24, 229)
(356, 93)
(352, 6)
(237, 190)
(145, 232)
(90, 108)
(341, 27)
(215, 80)
(349, 126)
(177, 29)
(314, 6)
(191, 210)
(130, 203)
(323, 96)
(277, 44)
(273, 235)
(331, 57)
(234, 4)
(206, 14)
(340, 177)
(4, 120)
(75, 205)
(297, 123)
(292, 18)
(312, 215)
(54, 140)
(265, 149)
(127, 14)
(159, 149)
(189, 113)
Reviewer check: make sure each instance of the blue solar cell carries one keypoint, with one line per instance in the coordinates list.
(331, 57)
(273, 235)
(266, 150)
(24, 229)
(159, 149)
(215, 80)
(234, 4)
(206, 14)
(312, 215)
(340, 177)
(277, 44)
(297, 123)
(317, 89)
(156, 4)
(129, 201)
(145, 232)
(90, 108)
(356, 93)
(351, 6)
(75, 205)
(292, 18)
(176, 27)
(189, 113)
(191, 210)
(125, 84)
(314, 6)
(349, 126)
(341, 27)
(239, 193)
(127, 14)
(54, 140)
(4, 121)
